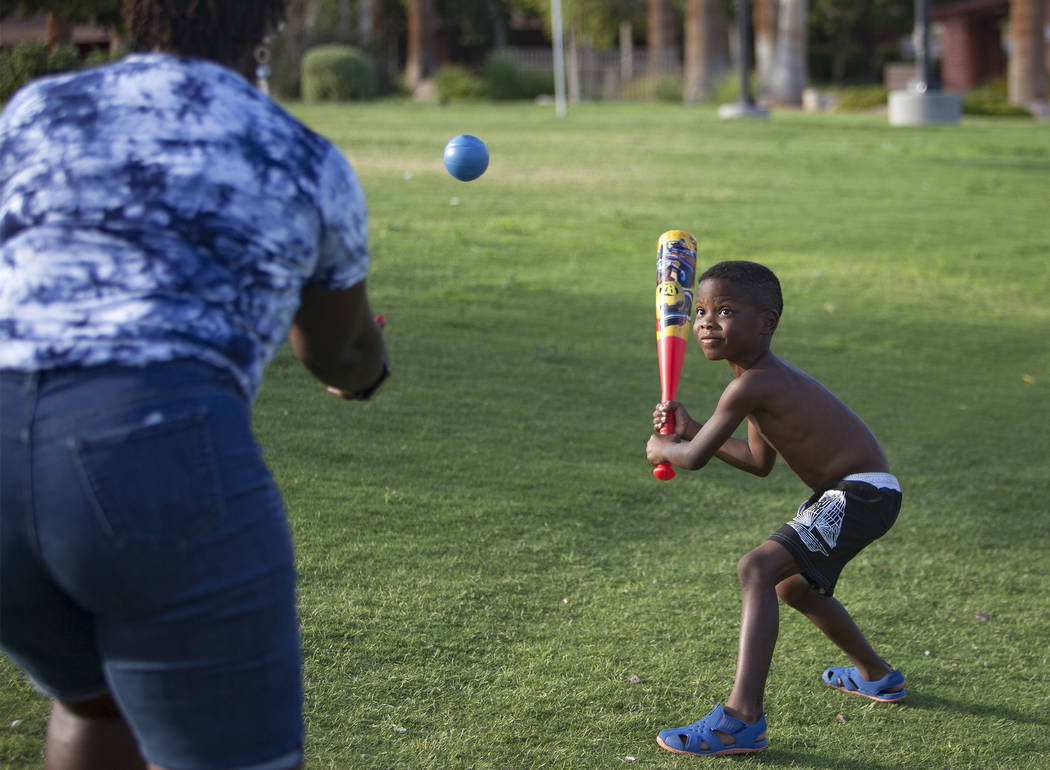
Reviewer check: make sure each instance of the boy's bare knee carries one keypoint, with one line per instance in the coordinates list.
(752, 569)
(746, 568)
(769, 565)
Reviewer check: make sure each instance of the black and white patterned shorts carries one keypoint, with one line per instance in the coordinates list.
(837, 522)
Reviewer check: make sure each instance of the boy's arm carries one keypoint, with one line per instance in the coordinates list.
(753, 455)
(715, 437)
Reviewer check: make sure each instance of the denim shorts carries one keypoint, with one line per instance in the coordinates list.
(145, 552)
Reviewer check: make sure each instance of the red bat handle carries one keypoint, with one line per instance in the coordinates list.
(672, 351)
(665, 471)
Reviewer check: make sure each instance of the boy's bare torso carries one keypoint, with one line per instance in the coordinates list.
(820, 438)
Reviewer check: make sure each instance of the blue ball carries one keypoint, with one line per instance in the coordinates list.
(466, 157)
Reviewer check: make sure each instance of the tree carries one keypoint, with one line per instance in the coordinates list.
(1026, 69)
(790, 73)
(591, 22)
(603, 24)
(706, 55)
(499, 23)
(419, 49)
(853, 41)
(765, 23)
(62, 15)
(602, 20)
(598, 19)
(660, 36)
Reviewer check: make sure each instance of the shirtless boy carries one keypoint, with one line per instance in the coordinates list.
(855, 500)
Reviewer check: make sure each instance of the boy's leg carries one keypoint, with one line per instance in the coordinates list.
(828, 614)
(759, 571)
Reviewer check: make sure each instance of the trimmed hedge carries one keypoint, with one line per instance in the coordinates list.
(337, 72)
(503, 79)
(861, 98)
(457, 83)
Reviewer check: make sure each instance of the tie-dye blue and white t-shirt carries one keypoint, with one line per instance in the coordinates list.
(161, 208)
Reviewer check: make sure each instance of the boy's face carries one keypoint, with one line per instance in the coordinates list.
(727, 324)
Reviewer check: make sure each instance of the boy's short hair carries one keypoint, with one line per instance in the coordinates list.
(756, 281)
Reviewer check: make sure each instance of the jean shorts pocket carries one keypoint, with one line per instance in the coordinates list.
(156, 483)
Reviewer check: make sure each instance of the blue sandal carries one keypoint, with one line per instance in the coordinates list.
(848, 679)
(690, 739)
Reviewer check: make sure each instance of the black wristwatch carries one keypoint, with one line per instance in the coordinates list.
(368, 392)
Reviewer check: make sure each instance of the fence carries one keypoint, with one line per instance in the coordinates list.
(604, 74)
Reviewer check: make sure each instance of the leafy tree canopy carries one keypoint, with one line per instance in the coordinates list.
(106, 12)
(600, 19)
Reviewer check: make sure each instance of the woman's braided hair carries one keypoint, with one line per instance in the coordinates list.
(226, 31)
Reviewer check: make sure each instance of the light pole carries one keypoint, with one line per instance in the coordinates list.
(920, 104)
(558, 43)
(745, 106)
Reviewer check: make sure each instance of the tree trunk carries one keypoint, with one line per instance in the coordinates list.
(659, 36)
(626, 52)
(376, 38)
(1026, 70)
(499, 25)
(59, 29)
(838, 58)
(790, 73)
(309, 16)
(706, 57)
(365, 23)
(342, 19)
(572, 65)
(419, 58)
(765, 22)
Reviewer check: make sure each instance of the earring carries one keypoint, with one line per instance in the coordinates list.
(262, 68)
(262, 60)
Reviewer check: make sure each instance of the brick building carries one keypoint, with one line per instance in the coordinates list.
(973, 41)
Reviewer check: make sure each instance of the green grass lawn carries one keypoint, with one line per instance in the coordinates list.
(490, 575)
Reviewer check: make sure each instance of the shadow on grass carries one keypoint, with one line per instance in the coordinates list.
(994, 711)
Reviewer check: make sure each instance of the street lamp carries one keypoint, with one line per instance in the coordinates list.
(920, 105)
(744, 107)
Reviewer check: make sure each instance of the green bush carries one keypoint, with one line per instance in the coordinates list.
(983, 102)
(456, 83)
(861, 98)
(337, 72)
(503, 79)
(669, 88)
(636, 89)
(26, 61)
(101, 56)
(991, 99)
(665, 88)
(63, 59)
(727, 88)
(537, 83)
